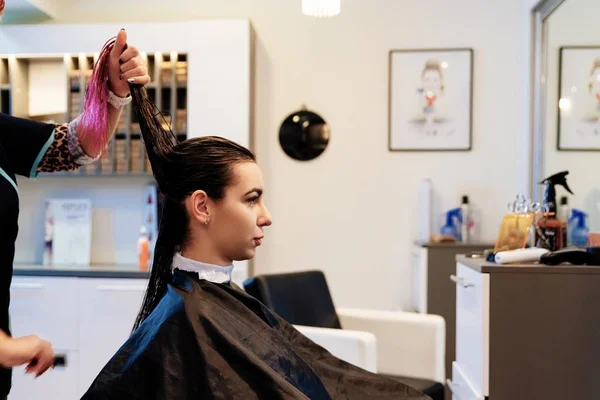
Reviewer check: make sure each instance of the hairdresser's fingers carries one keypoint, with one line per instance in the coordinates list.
(117, 84)
(119, 46)
(43, 359)
(131, 64)
(39, 368)
(140, 80)
(137, 71)
(129, 53)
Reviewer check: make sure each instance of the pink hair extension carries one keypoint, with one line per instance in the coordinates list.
(94, 118)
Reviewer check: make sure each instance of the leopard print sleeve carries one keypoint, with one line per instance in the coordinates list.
(65, 152)
(58, 157)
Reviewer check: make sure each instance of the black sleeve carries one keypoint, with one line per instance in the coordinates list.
(24, 142)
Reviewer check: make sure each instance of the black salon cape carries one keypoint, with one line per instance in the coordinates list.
(211, 341)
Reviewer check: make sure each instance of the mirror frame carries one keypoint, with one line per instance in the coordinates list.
(540, 10)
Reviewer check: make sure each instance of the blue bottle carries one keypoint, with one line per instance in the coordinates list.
(579, 230)
(450, 228)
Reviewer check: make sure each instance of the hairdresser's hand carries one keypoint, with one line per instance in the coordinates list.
(32, 350)
(125, 66)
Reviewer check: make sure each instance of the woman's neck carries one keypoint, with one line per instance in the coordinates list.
(204, 271)
(196, 254)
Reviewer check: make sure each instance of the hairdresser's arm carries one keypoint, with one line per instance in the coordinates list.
(31, 350)
(70, 145)
(125, 66)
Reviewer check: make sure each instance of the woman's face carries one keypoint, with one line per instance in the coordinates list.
(237, 221)
(432, 81)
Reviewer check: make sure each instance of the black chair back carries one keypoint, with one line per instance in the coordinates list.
(301, 298)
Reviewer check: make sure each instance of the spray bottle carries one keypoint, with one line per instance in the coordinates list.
(551, 231)
(564, 215)
(450, 228)
(464, 226)
(579, 230)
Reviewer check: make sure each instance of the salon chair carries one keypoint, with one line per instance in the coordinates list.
(409, 347)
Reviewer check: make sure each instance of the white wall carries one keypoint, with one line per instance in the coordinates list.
(574, 23)
(351, 212)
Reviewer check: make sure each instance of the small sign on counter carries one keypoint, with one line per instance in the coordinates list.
(68, 232)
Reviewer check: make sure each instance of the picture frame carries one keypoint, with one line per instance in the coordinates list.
(578, 105)
(430, 100)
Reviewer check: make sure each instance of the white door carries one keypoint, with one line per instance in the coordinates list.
(108, 308)
(460, 386)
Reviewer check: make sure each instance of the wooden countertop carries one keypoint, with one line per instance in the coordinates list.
(480, 265)
(93, 271)
(457, 245)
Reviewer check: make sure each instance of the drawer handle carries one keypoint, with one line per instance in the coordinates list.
(453, 387)
(117, 288)
(27, 286)
(60, 360)
(461, 281)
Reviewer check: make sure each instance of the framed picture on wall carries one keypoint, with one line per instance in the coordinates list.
(430, 100)
(578, 99)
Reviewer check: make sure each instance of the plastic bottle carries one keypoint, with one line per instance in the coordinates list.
(579, 230)
(143, 249)
(464, 226)
(450, 228)
(564, 214)
(550, 234)
(550, 192)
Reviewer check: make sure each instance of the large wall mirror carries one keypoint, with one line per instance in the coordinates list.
(566, 101)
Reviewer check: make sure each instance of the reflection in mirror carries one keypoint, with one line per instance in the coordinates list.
(571, 134)
(304, 135)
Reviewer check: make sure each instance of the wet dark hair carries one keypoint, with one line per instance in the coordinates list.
(180, 168)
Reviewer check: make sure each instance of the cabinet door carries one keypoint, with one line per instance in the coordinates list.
(473, 326)
(460, 386)
(46, 307)
(59, 383)
(108, 308)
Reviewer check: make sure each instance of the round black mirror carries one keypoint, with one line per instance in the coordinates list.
(304, 135)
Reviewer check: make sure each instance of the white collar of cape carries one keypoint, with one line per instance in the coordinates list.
(210, 272)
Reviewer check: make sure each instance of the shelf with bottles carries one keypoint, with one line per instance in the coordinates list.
(125, 154)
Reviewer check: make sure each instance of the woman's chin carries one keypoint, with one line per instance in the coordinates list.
(244, 257)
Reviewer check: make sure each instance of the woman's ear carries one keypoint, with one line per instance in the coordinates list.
(197, 206)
